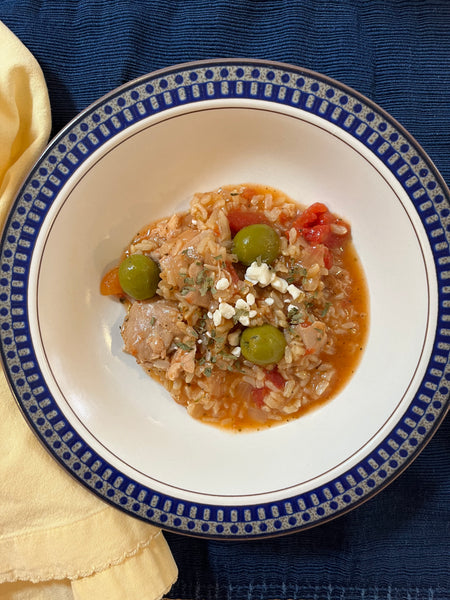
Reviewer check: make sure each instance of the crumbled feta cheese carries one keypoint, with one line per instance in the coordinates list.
(222, 284)
(241, 304)
(279, 284)
(264, 275)
(250, 299)
(269, 301)
(294, 291)
(292, 307)
(209, 314)
(244, 320)
(217, 318)
(236, 351)
(226, 310)
(252, 314)
(261, 274)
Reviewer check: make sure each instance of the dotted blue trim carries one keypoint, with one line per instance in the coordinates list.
(155, 93)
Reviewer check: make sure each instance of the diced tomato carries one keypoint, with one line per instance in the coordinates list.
(248, 193)
(110, 284)
(310, 216)
(317, 234)
(238, 219)
(233, 274)
(315, 225)
(335, 240)
(327, 258)
(258, 395)
(275, 377)
(284, 219)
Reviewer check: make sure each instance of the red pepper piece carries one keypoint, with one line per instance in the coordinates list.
(238, 219)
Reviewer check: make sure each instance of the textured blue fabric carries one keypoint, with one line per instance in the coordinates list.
(397, 52)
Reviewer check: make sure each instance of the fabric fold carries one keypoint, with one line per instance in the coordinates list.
(25, 118)
(57, 540)
(131, 578)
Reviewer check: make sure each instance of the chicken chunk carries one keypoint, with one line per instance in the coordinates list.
(149, 329)
(314, 337)
(181, 361)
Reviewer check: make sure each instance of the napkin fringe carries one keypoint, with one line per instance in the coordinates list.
(149, 574)
(35, 548)
(61, 573)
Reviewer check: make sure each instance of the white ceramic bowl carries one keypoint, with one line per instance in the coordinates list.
(139, 154)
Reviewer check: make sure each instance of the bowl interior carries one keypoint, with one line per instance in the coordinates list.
(151, 170)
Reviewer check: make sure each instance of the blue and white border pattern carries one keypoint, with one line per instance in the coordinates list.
(272, 82)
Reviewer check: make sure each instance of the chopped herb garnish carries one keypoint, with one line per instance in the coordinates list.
(240, 312)
(296, 273)
(325, 310)
(225, 354)
(295, 316)
(207, 372)
(152, 321)
(206, 285)
(183, 346)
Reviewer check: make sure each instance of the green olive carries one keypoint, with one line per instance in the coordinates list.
(263, 345)
(139, 276)
(255, 242)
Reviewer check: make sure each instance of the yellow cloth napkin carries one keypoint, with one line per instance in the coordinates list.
(57, 540)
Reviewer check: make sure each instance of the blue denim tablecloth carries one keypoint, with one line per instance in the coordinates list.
(397, 52)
